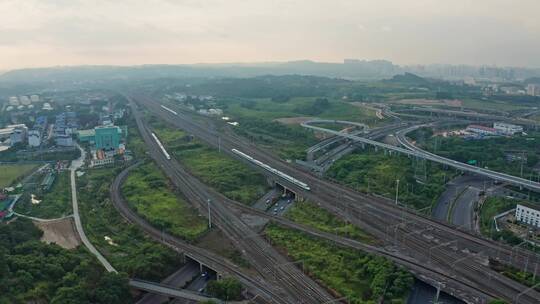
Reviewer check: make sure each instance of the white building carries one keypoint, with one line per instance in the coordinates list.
(34, 138)
(34, 98)
(533, 89)
(507, 129)
(24, 100)
(47, 107)
(14, 101)
(528, 214)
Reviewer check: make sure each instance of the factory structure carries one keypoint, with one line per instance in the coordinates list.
(499, 128)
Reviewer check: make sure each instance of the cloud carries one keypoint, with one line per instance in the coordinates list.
(34, 32)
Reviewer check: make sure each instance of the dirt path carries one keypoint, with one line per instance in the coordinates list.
(62, 232)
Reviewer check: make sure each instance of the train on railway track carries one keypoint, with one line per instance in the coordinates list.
(161, 146)
(170, 110)
(270, 169)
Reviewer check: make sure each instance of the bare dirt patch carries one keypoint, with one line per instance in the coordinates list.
(431, 102)
(61, 232)
(293, 120)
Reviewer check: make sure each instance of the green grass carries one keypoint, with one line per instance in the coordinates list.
(54, 204)
(11, 173)
(131, 251)
(316, 217)
(361, 277)
(229, 176)
(149, 193)
(482, 105)
(375, 172)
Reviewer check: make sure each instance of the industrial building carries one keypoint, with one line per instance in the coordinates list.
(528, 214)
(65, 125)
(506, 128)
(88, 136)
(18, 135)
(481, 130)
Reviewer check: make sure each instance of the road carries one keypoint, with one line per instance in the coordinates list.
(458, 201)
(76, 164)
(404, 230)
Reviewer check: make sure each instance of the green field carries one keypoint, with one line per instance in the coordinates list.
(126, 247)
(360, 277)
(55, 203)
(265, 108)
(316, 217)
(230, 177)
(10, 173)
(148, 193)
(421, 183)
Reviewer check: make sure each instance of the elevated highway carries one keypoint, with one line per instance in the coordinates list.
(412, 150)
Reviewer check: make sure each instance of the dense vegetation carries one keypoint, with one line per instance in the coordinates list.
(464, 150)
(54, 204)
(420, 183)
(34, 272)
(123, 244)
(311, 215)
(150, 195)
(361, 277)
(231, 177)
(228, 289)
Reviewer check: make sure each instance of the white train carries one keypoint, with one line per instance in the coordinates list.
(161, 146)
(170, 110)
(275, 171)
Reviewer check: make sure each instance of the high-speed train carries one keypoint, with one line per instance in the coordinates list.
(161, 146)
(275, 171)
(170, 110)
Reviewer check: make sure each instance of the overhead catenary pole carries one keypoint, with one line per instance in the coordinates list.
(397, 190)
(209, 215)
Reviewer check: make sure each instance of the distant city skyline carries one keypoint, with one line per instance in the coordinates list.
(37, 33)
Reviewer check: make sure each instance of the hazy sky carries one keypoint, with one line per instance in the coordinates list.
(73, 32)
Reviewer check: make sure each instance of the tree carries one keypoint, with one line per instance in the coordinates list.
(227, 289)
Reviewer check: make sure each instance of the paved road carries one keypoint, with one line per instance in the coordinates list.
(76, 164)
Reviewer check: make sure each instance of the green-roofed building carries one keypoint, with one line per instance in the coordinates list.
(107, 137)
(88, 136)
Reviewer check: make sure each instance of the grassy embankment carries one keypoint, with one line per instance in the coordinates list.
(229, 176)
(12, 173)
(371, 171)
(149, 194)
(360, 277)
(308, 214)
(54, 204)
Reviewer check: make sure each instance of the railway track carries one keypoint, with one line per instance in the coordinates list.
(290, 285)
(359, 208)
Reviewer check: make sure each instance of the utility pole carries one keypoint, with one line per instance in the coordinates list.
(209, 215)
(397, 190)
